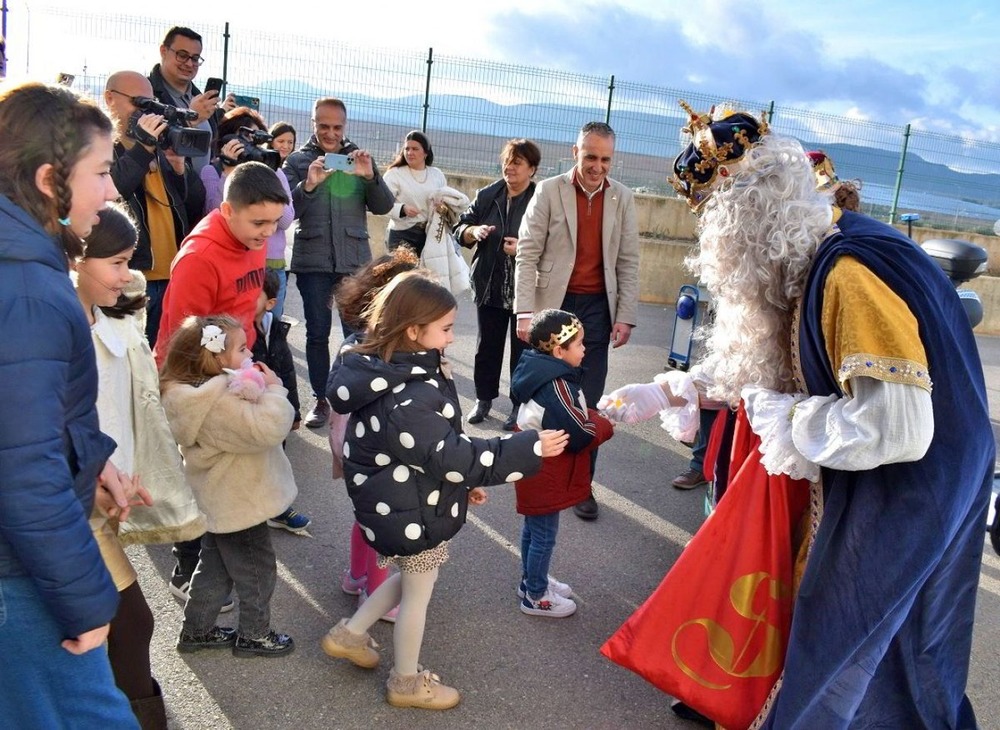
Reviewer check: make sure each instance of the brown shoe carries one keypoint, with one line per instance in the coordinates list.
(689, 480)
(359, 649)
(423, 690)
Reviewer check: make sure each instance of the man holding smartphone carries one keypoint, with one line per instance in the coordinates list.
(172, 80)
(331, 237)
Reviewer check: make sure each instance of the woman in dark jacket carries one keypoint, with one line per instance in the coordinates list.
(490, 225)
(56, 597)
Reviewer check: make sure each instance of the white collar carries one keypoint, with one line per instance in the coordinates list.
(107, 333)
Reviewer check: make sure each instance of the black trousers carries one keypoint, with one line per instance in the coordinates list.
(497, 326)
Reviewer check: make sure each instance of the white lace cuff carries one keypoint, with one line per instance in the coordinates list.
(770, 414)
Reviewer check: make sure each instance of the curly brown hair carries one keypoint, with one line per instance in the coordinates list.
(356, 292)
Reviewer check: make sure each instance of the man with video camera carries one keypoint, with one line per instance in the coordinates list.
(159, 185)
(172, 81)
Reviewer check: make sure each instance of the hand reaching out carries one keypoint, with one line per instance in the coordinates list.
(477, 496)
(552, 442)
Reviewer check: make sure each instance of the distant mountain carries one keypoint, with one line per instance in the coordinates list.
(654, 137)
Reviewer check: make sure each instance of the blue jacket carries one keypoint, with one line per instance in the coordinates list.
(51, 449)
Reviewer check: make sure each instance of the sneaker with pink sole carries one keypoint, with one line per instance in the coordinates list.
(353, 586)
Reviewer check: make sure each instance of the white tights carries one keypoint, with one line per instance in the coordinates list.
(411, 592)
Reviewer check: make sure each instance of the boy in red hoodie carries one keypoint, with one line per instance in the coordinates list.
(219, 268)
(546, 382)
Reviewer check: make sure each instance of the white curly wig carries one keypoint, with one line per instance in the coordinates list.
(758, 235)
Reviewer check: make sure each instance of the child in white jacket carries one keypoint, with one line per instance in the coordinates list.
(230, 416)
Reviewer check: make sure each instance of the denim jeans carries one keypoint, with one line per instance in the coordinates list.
(538, 540)
(279, 308)
(317, 305)
(244, 558)
(41, 684)
(154, 308)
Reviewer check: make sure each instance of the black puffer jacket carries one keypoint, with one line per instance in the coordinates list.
(407, 464)
(492, 269)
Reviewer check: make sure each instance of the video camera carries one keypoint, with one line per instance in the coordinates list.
(184, 140)
(252, 139)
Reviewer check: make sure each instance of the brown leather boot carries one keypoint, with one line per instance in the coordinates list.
(423, 690)
(359, 649)
(150, 712)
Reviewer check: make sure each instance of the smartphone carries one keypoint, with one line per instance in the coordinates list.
(248, 101)
(214, 84)
(334, 161)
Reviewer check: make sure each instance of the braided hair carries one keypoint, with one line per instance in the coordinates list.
(46, 124)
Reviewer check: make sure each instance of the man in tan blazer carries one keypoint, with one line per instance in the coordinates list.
(578, 250)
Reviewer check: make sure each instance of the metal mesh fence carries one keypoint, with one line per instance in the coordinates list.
(469, 108)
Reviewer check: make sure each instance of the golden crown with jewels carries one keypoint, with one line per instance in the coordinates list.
(566, 333)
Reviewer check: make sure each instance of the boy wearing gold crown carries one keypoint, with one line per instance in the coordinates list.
(858, 371)
(546, 382)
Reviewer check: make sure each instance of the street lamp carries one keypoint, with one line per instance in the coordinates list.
(908, 219)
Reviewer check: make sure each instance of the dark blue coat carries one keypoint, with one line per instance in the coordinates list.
(51, 449)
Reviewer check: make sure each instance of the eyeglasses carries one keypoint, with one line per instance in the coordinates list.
(184, 57)
(121, 93)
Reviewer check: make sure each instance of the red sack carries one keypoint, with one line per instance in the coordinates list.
(715, 631)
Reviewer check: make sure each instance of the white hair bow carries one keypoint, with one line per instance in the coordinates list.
(213, 338)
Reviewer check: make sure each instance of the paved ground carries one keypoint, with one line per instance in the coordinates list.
(513, 670)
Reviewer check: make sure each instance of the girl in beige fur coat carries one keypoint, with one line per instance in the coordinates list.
(230, 416)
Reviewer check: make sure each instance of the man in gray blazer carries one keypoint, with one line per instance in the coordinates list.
(578, 250)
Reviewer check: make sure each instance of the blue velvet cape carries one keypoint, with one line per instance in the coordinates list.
(882, 625)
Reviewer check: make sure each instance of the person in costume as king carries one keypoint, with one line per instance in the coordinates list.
(857, 367)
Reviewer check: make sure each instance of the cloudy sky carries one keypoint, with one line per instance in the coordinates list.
(927, 63)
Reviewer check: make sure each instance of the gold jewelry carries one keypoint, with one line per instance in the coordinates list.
(564, 335)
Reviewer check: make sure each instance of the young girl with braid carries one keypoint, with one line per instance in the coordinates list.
(58, 599)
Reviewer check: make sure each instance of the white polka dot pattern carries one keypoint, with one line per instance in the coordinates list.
(454, 477)
(382, 508)
(412, 531)
(401, 473)
(368, 533)
(439, 446)
(376, 426)
(347, 450)
(448, 411)
(360, 430)
(486, 458)
(454, 510)
(382, 459)
(399, 388)
(417, 370)
(433, 497)
(514, 476)
(538, 448)
(343, 393)
(360, 479)
(406, 440)
(379, 384)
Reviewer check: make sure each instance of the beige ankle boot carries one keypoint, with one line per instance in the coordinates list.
(359, 649)
(422, 689)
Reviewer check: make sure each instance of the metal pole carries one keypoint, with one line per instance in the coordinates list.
(427, 90)
(3, 42)
(225, 60)
(611, 93)
(899, 175)
(770, 113)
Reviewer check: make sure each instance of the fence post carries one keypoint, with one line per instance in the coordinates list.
(225, 61)
(427, 89)
(899, 176)
(3, 42)
(770, 113)
(611, 93)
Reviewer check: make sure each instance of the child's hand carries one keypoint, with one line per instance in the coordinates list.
(269, 377)
(553, 442)
(477, 496)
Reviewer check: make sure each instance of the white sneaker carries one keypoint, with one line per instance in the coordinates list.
(551, 605)
(555, 586)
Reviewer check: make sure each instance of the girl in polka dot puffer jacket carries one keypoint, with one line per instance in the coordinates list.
(411, 472)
